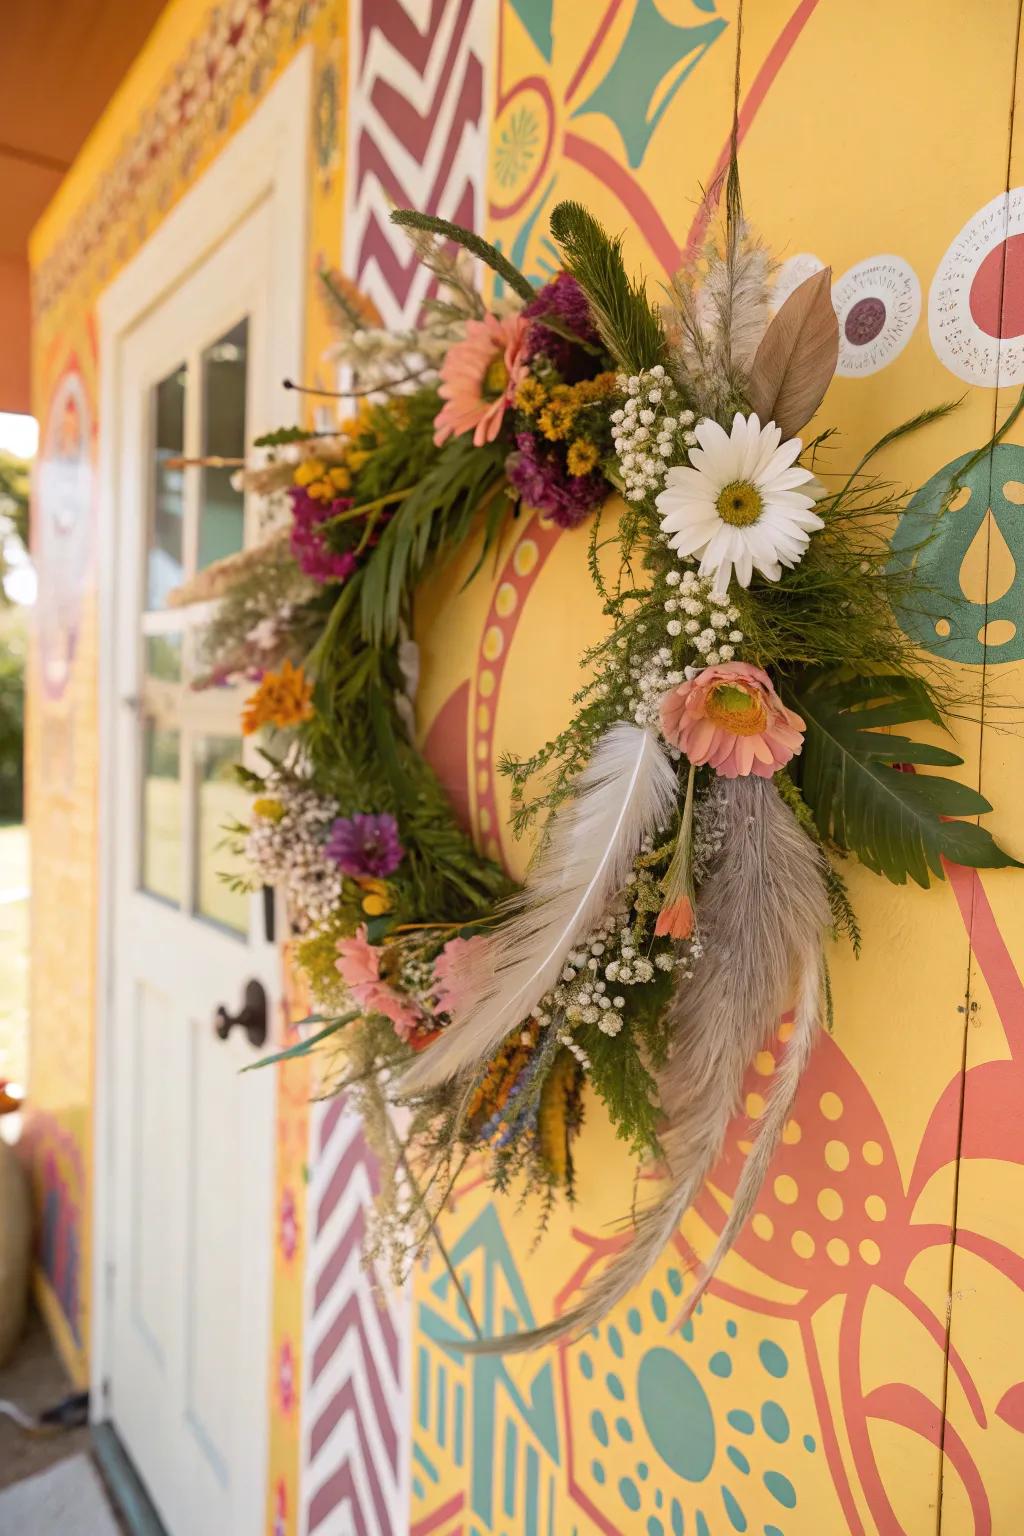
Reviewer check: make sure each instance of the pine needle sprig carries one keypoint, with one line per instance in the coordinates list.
(628, 324)
(476, 245)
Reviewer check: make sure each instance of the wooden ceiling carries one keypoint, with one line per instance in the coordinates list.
(60, 62)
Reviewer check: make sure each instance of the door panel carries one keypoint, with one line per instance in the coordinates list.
(193, 1134)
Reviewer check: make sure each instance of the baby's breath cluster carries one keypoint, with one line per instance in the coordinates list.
(649, 431)
(706, 618)
(589, 991)
(285, 847)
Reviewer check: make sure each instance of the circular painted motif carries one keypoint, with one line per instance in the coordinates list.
(976, 302)
(794, 271)
(967, 554)
(878, 304)
(63, 516)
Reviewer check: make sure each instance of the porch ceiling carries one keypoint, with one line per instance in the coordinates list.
(60, 62)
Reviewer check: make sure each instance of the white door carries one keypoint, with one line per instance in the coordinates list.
(192, 1139)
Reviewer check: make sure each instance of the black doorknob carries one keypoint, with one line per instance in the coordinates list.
(252, 1016)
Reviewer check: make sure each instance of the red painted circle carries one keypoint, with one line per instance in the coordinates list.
(999, 282)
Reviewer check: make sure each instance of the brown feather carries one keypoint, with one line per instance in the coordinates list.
(762, 912)
(794, 364)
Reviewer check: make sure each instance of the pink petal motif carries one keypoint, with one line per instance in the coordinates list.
(730, 717)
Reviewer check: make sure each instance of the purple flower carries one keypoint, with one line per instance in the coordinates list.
(564, 300)
(365, 846)
(537, 471)
(308, 540)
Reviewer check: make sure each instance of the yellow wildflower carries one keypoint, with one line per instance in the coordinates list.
(267, 807)
(582, 457)
(357, 458)
(308, 471)
(557, 419)
(283, 698)
(340, 478)
(376, 898)
(530, 395)
(553, 1121)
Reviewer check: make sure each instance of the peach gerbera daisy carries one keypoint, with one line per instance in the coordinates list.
(479, 378)
(731, 717)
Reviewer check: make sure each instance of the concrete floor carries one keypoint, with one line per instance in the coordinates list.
(34, 1379)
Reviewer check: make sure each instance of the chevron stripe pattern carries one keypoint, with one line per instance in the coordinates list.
(418, 127)
(355, 1399)
(417, 136)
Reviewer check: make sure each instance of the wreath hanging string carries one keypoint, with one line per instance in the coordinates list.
(734, 739)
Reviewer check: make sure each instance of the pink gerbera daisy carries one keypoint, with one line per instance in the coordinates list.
(358, 963)
(479, 377)
(731, 717)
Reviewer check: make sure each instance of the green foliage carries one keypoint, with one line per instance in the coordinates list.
(894, 821)
(283, 435)
(363, 756)
(627, 321)
(406, 218)
(12, 712)
(435, 517)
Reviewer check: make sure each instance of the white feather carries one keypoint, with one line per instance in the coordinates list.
(626, 792)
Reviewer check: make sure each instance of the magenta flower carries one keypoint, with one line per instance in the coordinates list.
(309, 545)
(563, 300)
(364, 846)
(538, 472)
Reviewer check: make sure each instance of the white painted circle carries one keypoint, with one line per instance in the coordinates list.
(878, 304)
(794, 271)
(965, 346)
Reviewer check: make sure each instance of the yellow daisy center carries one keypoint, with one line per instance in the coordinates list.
(495, 379)
(736, 710)
(739, 503)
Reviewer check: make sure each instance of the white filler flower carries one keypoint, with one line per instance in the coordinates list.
(738, 508)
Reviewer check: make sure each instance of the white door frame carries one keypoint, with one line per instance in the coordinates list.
(266, 160)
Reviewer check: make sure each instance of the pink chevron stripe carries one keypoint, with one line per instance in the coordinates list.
(390, 18)
(351, 1315)
(413, 129)
(352, 1239)
(330, 1120)
(334, 1335)
(341, 1484)
(354, 1156)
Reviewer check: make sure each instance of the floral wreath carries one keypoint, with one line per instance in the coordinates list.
(732, 742)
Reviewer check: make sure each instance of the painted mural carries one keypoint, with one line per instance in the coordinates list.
(818, 1389)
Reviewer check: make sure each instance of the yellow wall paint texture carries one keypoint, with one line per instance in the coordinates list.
(808, 1394)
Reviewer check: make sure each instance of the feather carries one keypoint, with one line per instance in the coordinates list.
(762, 913)
(720, 315)
(626, 792)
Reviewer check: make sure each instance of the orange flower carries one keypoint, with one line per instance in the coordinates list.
(283, 698)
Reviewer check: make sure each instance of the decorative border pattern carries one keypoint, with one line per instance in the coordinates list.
(187, 121)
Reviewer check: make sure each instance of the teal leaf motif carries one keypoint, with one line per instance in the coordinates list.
(656, 58)
(894, 821)
(535, 16)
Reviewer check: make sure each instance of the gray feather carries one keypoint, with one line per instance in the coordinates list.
(762, 913)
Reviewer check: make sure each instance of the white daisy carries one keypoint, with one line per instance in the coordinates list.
(738, 508)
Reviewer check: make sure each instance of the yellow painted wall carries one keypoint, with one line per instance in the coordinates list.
(808, 1396)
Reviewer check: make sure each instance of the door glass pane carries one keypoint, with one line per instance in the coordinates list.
(222, 801)
(161, 812)
(164, 568)
(221, 508)
(163, 658)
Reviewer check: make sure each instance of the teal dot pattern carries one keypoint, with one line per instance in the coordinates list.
(714, 1467)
